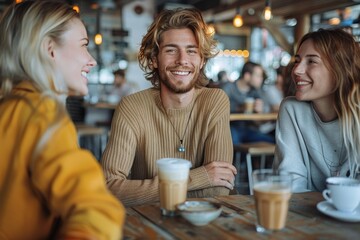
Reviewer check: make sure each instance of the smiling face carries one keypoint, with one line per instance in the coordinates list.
(72, 59)
(178, 61)
(312, 79)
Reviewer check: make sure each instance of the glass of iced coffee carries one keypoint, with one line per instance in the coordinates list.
(272, 192)
(249, 105)
(173, 179)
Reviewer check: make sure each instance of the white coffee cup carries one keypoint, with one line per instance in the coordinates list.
(173, 180)
(343, 193)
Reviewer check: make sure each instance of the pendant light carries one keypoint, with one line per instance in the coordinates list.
(98, 39)
(76, 8)
(210, 28)
(238, 20)
(267, 10)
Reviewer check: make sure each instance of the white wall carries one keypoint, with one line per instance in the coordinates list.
(137, 26)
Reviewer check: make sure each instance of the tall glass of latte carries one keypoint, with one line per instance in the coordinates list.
(272, 192)
(173, 179)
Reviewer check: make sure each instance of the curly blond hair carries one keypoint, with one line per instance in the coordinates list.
(179, 18)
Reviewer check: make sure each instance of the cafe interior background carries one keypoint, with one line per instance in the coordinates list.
(244, 29)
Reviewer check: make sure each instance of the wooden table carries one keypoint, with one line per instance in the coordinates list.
(101, 105)
(100, 113)
(253, 116)
(304, 221)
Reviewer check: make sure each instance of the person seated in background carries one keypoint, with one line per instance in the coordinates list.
(247, 86)
(179, 117)
(222, 78)
(318, 130)
(49, 187)
(121, 87)
(272, 94)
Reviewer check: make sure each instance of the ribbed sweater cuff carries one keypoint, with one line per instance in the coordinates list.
(199, 179)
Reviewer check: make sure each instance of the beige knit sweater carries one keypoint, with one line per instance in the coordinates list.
(141, 133)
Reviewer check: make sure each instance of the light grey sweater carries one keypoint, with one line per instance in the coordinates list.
(307, 147)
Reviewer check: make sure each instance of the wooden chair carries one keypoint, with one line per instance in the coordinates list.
(262, 149)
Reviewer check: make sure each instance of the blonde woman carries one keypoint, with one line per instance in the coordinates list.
(318, 130)
(49, 187)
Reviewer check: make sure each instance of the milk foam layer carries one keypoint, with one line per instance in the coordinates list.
(173, 168)
(342, 181)
(272, 187)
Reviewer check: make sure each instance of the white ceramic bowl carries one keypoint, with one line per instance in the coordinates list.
(199, 213)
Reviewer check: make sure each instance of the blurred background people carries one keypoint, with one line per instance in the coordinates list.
(222, 78)
(272, 94)
(247, 86)
(121, 87)
(49, 187)
(318, 130)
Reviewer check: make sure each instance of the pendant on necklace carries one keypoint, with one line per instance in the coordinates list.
(181, 148)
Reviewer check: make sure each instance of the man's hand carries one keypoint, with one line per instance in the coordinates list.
(259, 105)
(221, 174)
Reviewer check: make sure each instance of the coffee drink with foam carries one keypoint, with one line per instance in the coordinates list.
(272, 192)
(173, 179)
(272, 203)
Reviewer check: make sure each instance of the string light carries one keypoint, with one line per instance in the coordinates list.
(267, 10)
(238, 20)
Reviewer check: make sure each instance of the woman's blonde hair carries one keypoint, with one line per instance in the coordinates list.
(341, 55)
(26, 28)
(176, 19)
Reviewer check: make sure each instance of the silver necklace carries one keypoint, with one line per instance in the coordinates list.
(181, 147)
(333, 166)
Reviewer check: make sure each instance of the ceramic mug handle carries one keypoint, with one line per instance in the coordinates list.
(326, 194)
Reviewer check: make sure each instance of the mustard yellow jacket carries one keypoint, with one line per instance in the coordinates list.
(59, 191)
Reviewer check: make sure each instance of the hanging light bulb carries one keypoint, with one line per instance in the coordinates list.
(267, 10)
(98, 39)
(210, 29)
(76, 8)
(238, 20)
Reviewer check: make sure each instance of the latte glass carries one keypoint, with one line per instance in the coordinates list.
(173, 179)
(272, 192)
(249, 105)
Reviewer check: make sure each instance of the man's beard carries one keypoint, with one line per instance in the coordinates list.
(177, 89)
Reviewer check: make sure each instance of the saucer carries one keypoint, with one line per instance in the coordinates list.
(328, 209)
